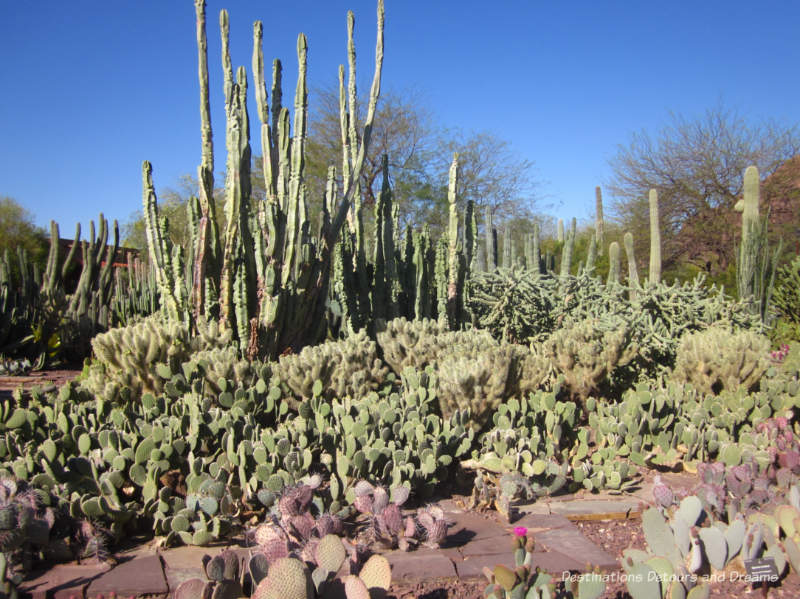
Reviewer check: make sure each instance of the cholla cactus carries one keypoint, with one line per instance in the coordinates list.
(717, 359)
(588, 351)
(349, 367)
(411, 343)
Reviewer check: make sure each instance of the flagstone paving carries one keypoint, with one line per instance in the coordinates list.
(475, 541)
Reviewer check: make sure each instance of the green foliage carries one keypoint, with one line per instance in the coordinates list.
(18, 233)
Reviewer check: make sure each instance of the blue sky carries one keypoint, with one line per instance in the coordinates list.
(91, 88)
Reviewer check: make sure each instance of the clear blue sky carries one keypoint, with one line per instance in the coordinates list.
(91, 88)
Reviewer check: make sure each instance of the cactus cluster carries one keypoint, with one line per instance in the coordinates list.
(588, 352)
(289, 577)
(387, 526)
(524, 581)
(717, 359)
(346, 368)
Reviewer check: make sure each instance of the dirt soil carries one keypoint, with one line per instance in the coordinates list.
(41, 378)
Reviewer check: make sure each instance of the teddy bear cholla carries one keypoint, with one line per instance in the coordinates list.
(388, 528)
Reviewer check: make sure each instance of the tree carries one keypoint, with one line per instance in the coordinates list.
(419, 152)
(18, 231)
(697, 166)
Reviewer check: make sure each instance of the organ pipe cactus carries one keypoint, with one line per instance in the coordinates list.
(755, 268)
(272, 296)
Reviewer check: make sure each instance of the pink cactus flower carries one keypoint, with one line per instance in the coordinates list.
(520, 531)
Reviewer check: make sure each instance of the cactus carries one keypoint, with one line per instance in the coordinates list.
(598, 220)
(345, 368)
(654, 272)
(755, 267)
(586, 352)
(271, 297)
(613, 264)
(717, 359)
(633, 275)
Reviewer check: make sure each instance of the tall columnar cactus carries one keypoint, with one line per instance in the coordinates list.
(560, 231)
(491, 241)
(591, 254)
(386, 284)
(536, 250)
(633, 274)
(456, 262)
(598, 219)
(755, 267)
(654, 273)
(507, 263)
(748, 252)
(206, 248)
(613, 264)
(569, 244)
(273, 297)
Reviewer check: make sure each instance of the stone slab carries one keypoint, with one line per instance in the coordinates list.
(140, 576)
(472, 567)
(419, 565)
(591, 508)
(555, 563)
(539, 522)
(472, 527)
(62, 581)
(487, 546)
(572, 543)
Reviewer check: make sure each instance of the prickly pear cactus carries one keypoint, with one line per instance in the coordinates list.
(717, 359)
